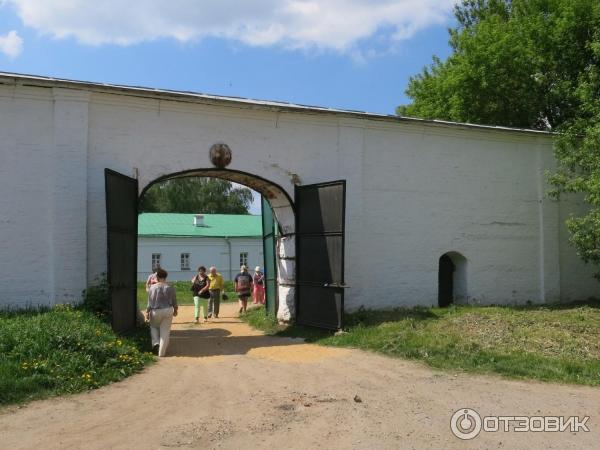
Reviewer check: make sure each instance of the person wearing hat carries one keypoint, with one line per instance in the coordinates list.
(258, 281)
(243, 287)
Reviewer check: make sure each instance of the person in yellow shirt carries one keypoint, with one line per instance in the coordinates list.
(215, 287)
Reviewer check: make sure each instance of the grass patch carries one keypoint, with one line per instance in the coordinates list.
(257, 318)
(559, 343)
(183, 292)
(64, 350)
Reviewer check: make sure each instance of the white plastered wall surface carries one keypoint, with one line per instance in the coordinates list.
(415, 190)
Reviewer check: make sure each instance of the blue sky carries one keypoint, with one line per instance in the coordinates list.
(350, 54)
(367, 71)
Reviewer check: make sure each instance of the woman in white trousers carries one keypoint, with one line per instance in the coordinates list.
(162, 307)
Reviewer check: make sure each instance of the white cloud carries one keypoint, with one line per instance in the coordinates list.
(11, 44)
(327, 24)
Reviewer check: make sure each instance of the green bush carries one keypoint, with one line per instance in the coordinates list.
(96, 299)
(63, 350)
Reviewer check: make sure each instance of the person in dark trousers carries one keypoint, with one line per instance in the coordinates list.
(243, 287)
(215, 286)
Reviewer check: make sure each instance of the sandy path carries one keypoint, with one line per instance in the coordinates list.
(227, 386)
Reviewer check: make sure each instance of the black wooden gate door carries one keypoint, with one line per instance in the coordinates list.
(270, 263)
(320, 221)
(121, 226)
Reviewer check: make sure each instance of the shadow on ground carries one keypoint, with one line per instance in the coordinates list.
(224, 336)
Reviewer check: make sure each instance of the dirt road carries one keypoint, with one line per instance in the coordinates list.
(226, 386)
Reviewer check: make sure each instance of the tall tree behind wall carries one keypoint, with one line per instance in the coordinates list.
(531, 64)
(197, 195)
(515, 63)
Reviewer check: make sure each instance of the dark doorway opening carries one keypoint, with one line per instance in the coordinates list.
(446, 281)
(452, 279)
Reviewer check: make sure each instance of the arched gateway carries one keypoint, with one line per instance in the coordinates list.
(410, 190)
(307, 253)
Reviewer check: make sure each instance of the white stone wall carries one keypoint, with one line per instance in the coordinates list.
(203, 251)
(43, 181)
(474, 193)
(414, 192)
(27, 184)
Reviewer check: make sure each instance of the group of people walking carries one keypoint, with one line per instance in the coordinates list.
(209, 286)
(162, 299)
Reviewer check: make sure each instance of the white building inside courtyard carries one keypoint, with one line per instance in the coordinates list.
(180, 243)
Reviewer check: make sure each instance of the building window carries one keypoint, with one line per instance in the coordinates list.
(155, 260)
(185, 261)
(243, 259)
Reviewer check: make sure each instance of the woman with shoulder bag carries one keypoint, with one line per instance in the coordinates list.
(200, 290)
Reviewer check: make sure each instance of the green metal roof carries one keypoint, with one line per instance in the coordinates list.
(215, 225)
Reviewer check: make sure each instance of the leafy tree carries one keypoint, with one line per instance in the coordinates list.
(578, 155)
(514, 63)
(533, 64)
(197, 195)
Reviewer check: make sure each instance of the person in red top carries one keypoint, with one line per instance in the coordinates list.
(152, 279)
(258, 280)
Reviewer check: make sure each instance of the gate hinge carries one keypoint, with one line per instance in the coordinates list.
(336, 285)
